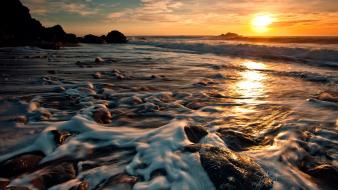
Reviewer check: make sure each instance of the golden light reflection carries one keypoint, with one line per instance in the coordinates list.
(252, 84)
(260, 23)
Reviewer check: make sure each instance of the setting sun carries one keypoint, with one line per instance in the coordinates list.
(261, 23)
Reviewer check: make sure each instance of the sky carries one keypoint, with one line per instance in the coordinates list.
(189, 17)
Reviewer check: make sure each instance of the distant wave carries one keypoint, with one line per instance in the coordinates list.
(318, 57)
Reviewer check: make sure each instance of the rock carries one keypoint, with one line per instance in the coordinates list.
(325, 96)
(195, 133)
(195, 105)
(236, 140)
(92, 39)
(229, 36)
(82, 186)
(21, 119)
(325, 172)
(116, 37)
(60, 136)
(53, 175)
(122, 181)
(230, 170)
(102, 115)
(18, 28)
(97, 75)
(59, 89)
(3, 183)
(99, 60)
(19, 165)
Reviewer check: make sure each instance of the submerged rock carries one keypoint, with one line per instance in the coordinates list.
(230, 170)
(236, 140)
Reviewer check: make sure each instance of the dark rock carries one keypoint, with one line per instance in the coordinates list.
(3, 183)
(195, 133)
(116, 37)
(326, 96)
(19, 28)
(60, 136)
(102, 115)
(19, 165)
(236, 140)
(99, 60)
(325, 172)
(92, 39)
(21, 119)
(230, 170)
(229, 36)
(97, 75)
(122, 181)
(82, 186)
(53, 175)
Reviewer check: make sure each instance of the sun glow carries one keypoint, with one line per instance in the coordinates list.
(261, 23)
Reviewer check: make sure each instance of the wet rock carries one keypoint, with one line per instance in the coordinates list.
(41, 114)
(102, 115)
(59, 89)
(82, 186)
(230, 170)
(99, 60)
(205, 82)
(325, 96)
(53, 175)
(195, 133)
(116, 37)
(97, 75)
(21, 119)
(3, 183)
(134, 100)
(236, 140)
(147, 108)
(195, 105)
(19, 165)
(122, 181)
(60, 136)
(325, 172)
(32, 106)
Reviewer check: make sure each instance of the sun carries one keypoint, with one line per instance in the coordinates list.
(261, 23)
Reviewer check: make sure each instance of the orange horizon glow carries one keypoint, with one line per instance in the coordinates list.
(203, 17)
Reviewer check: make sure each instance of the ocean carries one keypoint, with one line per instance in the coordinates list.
(155, 110)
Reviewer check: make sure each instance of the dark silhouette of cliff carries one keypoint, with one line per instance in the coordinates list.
(18, 28)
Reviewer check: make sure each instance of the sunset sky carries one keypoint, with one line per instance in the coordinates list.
(189, 17)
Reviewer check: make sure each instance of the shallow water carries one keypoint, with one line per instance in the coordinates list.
(153, 92)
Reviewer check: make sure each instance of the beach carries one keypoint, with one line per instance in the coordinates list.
(165, 113)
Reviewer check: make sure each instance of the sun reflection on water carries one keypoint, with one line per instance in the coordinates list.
(250, 86)
(252, 83)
